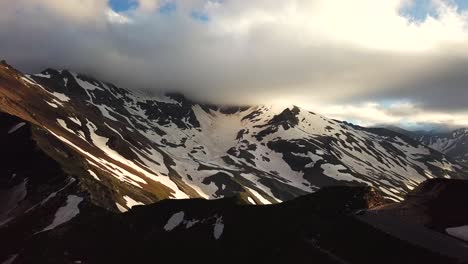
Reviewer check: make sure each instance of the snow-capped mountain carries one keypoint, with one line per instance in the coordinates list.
(143, 149)
(78, 151)
(453, 144)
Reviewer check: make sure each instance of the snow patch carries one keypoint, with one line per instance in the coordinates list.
(105, 112)
(86, 85)
(101, 142)
(29, 80)
(190, 223)
(52, 104)
(10, 260)
(65, 213)
(63, 124)
(130, 202)
(11, 198)
(92, 173)
(47, 76)
(459, 232)
(118, 172)
(334, 171)
(61, 97)
(121, 208)
(16, 127)
(218, 228)
(75, 120)
(258, 196)
(175, 220)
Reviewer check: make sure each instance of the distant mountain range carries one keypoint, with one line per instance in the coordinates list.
(78, 151)
(452, 143)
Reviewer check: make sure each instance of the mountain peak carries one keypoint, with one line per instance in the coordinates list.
(171, 147)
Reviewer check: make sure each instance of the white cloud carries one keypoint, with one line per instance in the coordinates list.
(114, 17)
(367, 24)
(307, 52)
(148, 5)
(404, 114)
(73, 11)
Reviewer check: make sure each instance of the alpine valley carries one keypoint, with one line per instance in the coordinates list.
(94, 173)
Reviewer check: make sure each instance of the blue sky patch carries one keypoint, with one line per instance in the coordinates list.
(419, 10)
(125, 5)
(168, 8)
(200, 16)
(122, 5)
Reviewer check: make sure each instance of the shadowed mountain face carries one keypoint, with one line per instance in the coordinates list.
(454, 144)
(320, 227)
(79, 150)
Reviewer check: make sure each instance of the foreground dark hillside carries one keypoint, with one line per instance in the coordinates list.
(318, 228)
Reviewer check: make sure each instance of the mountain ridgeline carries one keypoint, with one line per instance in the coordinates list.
(80, 151)
(453, 143)
(152, 148)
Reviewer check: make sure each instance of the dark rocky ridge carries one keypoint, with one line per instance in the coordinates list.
(320, 227)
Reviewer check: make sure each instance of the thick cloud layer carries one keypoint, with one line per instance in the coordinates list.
(343, 58)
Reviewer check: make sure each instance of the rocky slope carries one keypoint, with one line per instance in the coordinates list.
(454, 144)
(141, 149)
(77, 151)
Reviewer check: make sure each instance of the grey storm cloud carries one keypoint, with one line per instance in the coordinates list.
(305, 51)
